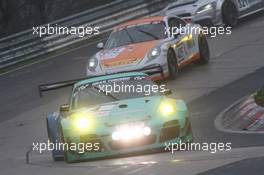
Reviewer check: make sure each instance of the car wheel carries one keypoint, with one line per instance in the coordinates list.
(204, 50)
(229, 14)
(55, 157)
(65, 152)
(172, 64)
(188, 131)
(66, 159)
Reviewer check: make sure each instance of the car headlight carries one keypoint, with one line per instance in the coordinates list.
(92, 63)
(81, 121)
(205, 8)
(167, 108)
(154, 53)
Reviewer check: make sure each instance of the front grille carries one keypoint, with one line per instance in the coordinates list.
(170, 130)
(171, 123)
(147, 140)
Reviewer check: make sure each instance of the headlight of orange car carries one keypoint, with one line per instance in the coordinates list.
(92, 63)
(154, 53)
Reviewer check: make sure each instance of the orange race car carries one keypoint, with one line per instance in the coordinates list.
(162, 43)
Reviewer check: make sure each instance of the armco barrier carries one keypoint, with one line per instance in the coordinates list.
(22, 47)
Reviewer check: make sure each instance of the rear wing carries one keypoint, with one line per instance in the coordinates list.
(57, 85)
(156, 69)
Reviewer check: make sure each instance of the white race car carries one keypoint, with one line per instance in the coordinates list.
(145, 45)
(214, 12)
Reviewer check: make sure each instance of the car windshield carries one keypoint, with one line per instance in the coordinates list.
(136, 34)
(114, 89)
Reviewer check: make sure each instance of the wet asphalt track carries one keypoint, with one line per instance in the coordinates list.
(234, 71)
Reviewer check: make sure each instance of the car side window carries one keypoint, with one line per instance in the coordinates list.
(176, 24)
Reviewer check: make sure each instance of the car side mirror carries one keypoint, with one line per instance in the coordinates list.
(100, 45)
(167, 92)
(65, 108)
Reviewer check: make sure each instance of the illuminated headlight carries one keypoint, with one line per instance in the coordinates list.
(92, 64)
(147, 131)
(167, 108)
(129, 133)
(205, 8)
(116, 136)
(154, 53)
(81, 121)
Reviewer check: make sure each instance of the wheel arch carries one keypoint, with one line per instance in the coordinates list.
(54, 134)
(231, 1)
(173, 50)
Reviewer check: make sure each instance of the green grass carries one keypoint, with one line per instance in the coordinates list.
(259, 97)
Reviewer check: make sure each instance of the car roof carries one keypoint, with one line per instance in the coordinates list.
(107, 77)
(140, 20)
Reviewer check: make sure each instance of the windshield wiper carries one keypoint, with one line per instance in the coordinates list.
(105, 93)
(149, 34)
(130, 37)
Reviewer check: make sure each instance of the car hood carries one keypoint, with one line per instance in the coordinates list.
(110, 115)
(125, 56)
(186, 8)
(125, 111)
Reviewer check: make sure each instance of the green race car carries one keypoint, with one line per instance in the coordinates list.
(113, 115)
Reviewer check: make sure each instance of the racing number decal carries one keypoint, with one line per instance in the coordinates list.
(181, 52)
(185, 48)
(243, 4)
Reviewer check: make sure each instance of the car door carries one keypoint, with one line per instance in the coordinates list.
(184, 43)
(248, 6)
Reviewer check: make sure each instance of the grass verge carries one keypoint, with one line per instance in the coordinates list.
(259, 97)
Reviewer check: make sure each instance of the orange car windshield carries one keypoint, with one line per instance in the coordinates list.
(136, 34)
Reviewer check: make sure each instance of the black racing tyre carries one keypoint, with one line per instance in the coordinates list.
(66, 157)
(172, 64)
(48, 130)
(204, 50)
(188, 128)
(229, 13)
(54, 157)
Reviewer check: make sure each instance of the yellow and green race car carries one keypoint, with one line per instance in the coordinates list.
(115, 114)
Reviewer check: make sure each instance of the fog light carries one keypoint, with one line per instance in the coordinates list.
(146, 131)
(129, 133)
(116, 136)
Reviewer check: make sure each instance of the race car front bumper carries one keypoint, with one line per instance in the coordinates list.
(169, 132)
(155, 71)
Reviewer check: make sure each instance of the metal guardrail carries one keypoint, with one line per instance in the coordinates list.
(24, 46)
